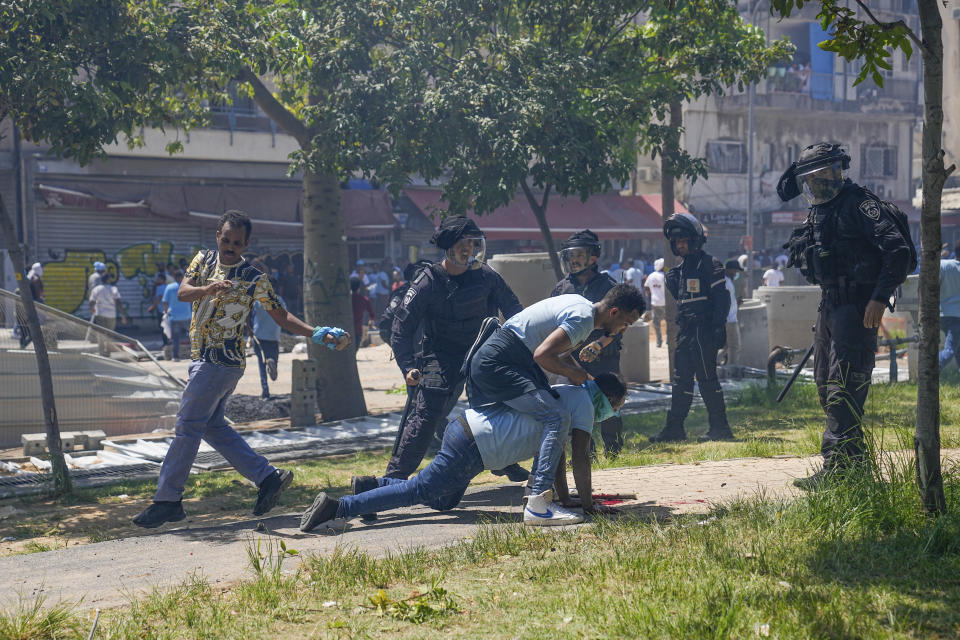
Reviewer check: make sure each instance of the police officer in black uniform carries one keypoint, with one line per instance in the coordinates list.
(448, 301)
(578, 260)
(699, 287)
(851, 246)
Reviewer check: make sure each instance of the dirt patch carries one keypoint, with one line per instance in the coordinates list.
(244, 408)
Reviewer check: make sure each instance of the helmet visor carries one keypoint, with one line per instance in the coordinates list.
(574, 260)
(470, 252)
(821, 184)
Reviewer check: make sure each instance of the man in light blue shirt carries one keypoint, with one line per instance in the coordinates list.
(489, 438)
(508, 367)
(950, 307)
(178, 314)
(266, 344)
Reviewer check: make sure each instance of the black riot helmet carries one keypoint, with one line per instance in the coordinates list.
(577, 250)
(817, 174)
(684, 225)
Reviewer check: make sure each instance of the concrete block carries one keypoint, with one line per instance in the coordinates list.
(94, 438)
(34, 443)
(79, 439)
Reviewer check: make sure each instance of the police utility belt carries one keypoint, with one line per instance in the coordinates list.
(847, 292)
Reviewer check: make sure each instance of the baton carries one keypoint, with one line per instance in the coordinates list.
(796, 372)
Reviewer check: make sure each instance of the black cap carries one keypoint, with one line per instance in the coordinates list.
(452, 229)
(732, 263)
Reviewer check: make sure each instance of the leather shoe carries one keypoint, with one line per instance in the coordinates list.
(158, 513)
(270, 490)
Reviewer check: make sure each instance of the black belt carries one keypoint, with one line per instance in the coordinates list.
(462, 419)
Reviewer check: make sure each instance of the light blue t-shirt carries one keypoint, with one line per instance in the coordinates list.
(264, 326)
(177, 310)
(950, 288)
(570, 312)
(505, 436)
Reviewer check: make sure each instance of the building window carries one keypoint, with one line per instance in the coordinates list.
(878, 162)
(726, 157)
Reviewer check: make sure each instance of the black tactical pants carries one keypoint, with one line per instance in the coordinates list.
(843, 359)
(696, 357)
(429, 408)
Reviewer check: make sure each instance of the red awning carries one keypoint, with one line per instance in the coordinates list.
(274, 209)
(609, 215)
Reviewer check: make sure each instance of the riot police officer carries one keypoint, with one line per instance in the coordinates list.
(447, 301)
(850, 245)
(578, 260)
(699, 287)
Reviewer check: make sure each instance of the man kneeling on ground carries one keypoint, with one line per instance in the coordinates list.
(488, 438)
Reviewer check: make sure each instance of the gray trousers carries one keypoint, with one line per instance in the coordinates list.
(201, 415)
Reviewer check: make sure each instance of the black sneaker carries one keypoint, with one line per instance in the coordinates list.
(816, 481)
(270, 490)
(668, 436)
(360, 484)
(720, 436)
(323, 508)
(514, 473)
(158, 513)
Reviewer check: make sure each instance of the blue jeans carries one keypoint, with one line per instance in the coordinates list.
(265, 350)
(440, 485)
(951, 348)
(178, 331)
(201, 415)
(556, 427)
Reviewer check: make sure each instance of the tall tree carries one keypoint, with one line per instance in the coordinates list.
(857, 33)
(74, 74)
(559, 97)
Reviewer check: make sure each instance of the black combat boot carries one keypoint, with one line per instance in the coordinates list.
(673, 432)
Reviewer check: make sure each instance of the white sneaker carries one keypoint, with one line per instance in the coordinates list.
(542, 512)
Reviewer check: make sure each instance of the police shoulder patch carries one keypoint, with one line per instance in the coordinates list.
(409, 296)
(871, 209)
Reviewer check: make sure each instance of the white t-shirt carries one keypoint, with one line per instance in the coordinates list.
(656, 282)
(732, 316)
(570, 312)
(773, 277)
(782, 260)
(634, 276)
(104, 298)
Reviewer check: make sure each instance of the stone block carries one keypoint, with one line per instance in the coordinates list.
(36, 443)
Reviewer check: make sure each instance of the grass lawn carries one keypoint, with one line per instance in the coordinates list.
(860, 560)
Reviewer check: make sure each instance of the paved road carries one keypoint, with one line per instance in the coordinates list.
(106, 574)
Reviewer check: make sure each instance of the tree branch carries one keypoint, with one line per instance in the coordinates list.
(888, 26)
(276, 111)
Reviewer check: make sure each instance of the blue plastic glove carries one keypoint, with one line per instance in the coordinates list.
(320, 332)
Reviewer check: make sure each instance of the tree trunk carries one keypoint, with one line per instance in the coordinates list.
(540, 213)
(667, 198)
(59, 472)
(926, 441)
(326, 296)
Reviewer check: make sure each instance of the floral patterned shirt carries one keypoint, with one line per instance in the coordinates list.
(217, 325)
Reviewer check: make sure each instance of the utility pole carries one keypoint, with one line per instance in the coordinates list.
(751, 92)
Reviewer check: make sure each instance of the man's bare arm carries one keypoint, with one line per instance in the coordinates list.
(553, 355)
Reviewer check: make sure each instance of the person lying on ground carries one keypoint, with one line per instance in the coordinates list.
(488, 438)
(508, 366)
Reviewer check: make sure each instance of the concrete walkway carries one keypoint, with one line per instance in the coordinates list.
(106, 574)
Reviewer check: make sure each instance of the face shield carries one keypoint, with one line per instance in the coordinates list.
(469, 252)
(821, 184)
(575, 260)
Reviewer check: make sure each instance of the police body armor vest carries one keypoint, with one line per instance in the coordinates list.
(454, 319)
(690, 283)
(837, 256)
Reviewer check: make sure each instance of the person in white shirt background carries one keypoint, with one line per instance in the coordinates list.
(655, 288)
(773, 277)
(104, 305)
(634, 275)
(730, 270)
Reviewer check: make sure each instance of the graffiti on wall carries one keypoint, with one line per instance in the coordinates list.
(134, 270)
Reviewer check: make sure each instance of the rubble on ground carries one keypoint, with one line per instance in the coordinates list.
(245, 408)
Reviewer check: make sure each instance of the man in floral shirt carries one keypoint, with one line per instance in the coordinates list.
(222, 286)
